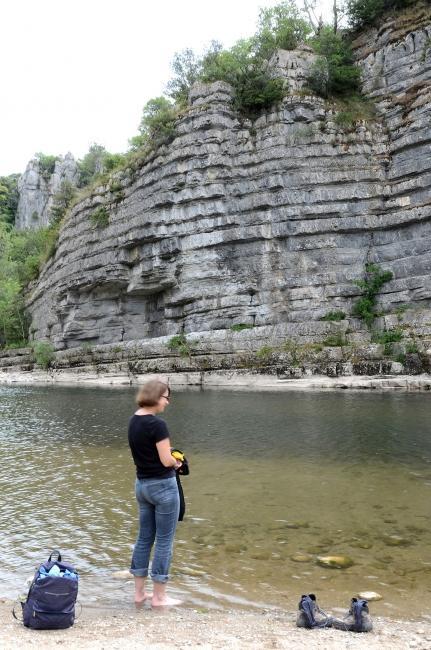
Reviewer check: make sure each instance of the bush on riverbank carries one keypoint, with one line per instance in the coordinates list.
(44, 354)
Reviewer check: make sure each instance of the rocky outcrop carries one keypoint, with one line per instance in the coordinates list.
(293, 66)
(37, 190)
(265, 222)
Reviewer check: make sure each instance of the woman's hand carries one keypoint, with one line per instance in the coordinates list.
(164, 451)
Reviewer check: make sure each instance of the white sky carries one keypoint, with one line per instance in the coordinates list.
(77, 72)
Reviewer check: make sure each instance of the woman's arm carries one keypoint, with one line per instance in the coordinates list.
(164, 451)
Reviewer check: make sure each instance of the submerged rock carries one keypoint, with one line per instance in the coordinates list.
(188, 571)
(124, 574)
(396, 540)
(260, 555)
(370, 595)
(335, 561)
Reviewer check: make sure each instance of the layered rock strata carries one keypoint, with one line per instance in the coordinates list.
(265, 222)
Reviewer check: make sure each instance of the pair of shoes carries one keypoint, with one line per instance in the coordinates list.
(357, 619)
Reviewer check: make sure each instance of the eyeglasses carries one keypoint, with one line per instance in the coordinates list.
(168, 399)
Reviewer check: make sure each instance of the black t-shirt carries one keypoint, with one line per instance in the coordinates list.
(144, 432)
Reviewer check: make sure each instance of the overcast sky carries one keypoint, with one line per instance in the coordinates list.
(79, 72)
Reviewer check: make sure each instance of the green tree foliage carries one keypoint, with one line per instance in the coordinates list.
(21, 255)
(280, 27)
(366, 12)
(46, 164)
(157, 123)
(96, 162)
(62, 200)
(334, 72)
(186, 67)
(12, 320)
(8, 198)
(91, 165)
(247, 72)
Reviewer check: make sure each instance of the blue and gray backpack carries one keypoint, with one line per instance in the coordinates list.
(50, 603)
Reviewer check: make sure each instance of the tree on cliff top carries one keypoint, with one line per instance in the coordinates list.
(365, 12)
(334, 73)
(157, 124)
(280, 27)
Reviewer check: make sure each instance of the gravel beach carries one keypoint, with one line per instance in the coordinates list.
(207, 630)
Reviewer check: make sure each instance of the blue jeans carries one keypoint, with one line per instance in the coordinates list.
(159, 506)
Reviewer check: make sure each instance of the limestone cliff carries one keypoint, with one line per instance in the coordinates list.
(37, 189)
(266, 223)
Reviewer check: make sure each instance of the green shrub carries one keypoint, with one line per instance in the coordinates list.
(87, 347)
(44, 354)
(334, 316)
(100, 217)
(91, 165)
(247, 72)
(335, 341)
(401, 358)
(375, 278)
(334, 73)
(241, 326)
(353, 109)
(112, 161)
(116, 189)
(264, 352)
(255, 90)
(387, 336)
(180, 344)
(46, 164)
(158, 121)
(412, 348)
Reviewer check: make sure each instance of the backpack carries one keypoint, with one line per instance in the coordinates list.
(50, 603)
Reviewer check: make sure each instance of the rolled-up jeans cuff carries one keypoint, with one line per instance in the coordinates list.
(159, 577)
(139, 573)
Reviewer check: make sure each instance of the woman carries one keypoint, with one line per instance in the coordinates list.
(156, 492)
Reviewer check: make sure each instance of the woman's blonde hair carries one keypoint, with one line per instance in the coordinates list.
(150, 392)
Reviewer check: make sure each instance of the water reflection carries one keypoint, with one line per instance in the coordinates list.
(275, 476)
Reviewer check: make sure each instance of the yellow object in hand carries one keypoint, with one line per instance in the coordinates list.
(178, 455)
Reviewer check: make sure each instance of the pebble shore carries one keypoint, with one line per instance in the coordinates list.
(185, 628)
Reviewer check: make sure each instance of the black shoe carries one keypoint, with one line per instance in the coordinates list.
(357, 619)
(310, 615)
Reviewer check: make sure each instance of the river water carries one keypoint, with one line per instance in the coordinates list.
(275, 477)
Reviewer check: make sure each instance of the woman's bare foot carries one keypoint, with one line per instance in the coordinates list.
(165, 601)
(141, 597)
